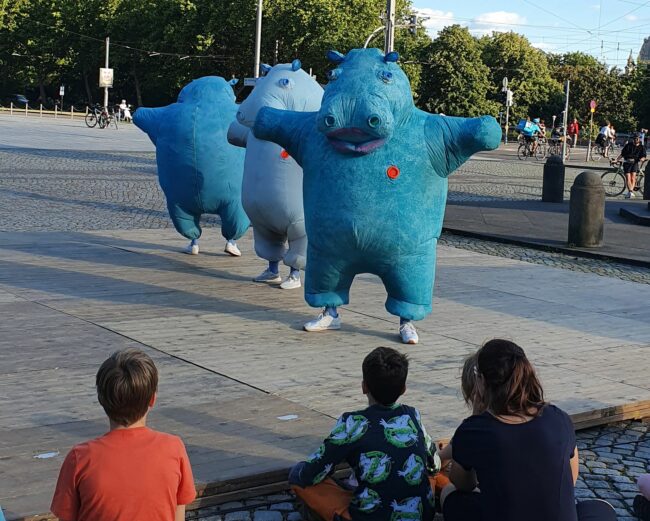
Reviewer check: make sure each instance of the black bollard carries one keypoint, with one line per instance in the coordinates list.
(587, 211)
(553, 187)
(646, 182)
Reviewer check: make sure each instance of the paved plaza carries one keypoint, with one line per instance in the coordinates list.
(89, 263)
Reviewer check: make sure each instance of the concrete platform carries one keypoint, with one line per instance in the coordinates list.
(249, 392)
(546, 224)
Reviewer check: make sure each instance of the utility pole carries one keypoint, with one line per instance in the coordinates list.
(565, 120)
(258, 40)
(390, 27)
(108, 43)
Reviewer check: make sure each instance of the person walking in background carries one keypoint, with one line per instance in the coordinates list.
(574, 130)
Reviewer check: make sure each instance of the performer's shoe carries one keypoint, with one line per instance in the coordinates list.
(269, 277)
(291, 282)
(232, 249)
(191, 249)
(323, 322)
(408, 333)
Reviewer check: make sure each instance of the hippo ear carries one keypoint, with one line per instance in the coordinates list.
(233, 82)
(265, 68)
(295, 65)
(335, 56)
(391, 57)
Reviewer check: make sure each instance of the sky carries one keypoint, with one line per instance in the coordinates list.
(606, 29)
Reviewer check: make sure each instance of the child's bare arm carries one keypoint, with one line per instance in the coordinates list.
(444, 451)
(180, 513)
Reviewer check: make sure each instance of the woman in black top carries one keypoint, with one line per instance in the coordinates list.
(521, 452)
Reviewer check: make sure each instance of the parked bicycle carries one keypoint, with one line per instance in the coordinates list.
(614, 180)
(92, 117)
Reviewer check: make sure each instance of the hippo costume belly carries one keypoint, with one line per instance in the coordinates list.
(375, 180)
(272, 187)
(198, 170)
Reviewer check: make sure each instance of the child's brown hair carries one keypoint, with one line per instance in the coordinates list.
(126, 383)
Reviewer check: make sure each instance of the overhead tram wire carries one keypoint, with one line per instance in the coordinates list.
(182, 56)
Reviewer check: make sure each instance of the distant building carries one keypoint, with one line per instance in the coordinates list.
(630, 67)
(644, 54)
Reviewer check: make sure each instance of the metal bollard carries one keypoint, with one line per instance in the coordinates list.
(553, 184)
(71, 111)
(587, 211)
(11, 108)
(646, 182)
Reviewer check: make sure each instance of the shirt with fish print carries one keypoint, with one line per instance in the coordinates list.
(389, 450)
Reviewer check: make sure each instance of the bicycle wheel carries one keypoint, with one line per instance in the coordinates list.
(522, 152)
(540, 152)
(614, 183)
(91, 119)
(595, 153)
(102, 121)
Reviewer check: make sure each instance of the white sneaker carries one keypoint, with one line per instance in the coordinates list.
(323, 322)
(291, 282)
(191, 249)
(629, 195)
(231, 249)
(408, 333)
(269, 277)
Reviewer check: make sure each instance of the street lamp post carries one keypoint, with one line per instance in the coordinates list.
(258, 40)
(390, 26)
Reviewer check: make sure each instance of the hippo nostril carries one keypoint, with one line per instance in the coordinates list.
(330, 121)
(240, 116)
(374, 121)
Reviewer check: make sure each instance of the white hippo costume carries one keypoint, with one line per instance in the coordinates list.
(272, 185)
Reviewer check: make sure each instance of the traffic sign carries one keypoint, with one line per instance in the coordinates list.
(61, 90)
(105, 77)
(592, 105)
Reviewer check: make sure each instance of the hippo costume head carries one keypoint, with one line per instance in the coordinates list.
(198, 170)
(375, 180)
(356, 123)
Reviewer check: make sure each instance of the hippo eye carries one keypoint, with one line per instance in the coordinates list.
(330, 121)
(374, 121)
(386, 76)
(285, 83)
(334, 74)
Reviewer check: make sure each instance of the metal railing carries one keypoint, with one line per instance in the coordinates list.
(40, 112)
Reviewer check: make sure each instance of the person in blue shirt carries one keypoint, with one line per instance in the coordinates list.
(531, 133)
(520, 451)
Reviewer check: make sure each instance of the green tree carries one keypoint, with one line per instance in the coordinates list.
(456, 82)
(535, 91)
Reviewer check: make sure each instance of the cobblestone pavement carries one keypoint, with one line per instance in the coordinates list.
(611, 459)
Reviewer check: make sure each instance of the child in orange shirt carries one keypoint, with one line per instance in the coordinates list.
(131, 472)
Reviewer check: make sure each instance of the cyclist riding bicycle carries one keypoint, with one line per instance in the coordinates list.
(531, 132)
(605, 137)
(633, 155)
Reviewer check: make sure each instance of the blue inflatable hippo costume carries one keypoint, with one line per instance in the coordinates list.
(375, 183)
(272, 189)
(198, 170)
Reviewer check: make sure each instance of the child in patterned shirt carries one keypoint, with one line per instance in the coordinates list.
(387, 447)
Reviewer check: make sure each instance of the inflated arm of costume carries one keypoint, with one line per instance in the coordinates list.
(149, 120)
(238, 134)
(284, 127)
(453, 140)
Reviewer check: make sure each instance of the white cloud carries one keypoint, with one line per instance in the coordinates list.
(544, 46)
(497, 21)
(437, 20)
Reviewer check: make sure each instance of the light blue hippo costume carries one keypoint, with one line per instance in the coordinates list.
(272, 188)
(375, 180)
(198, 170)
